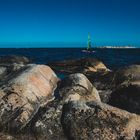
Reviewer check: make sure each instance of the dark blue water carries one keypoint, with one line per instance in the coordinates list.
(113, 58)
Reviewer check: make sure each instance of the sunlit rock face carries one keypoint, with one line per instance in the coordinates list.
(22, 95)
(77, 86)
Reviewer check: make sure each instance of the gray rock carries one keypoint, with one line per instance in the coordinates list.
(48, 125)
(127, 93)
(98, 121)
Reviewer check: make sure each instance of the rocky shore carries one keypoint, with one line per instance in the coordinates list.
(91, 102)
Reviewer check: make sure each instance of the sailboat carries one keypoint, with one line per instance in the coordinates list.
(89, 47)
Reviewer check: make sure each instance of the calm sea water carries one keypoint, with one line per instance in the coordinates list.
(113, 58)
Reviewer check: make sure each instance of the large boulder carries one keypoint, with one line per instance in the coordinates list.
(98, 121)
(22, 94)
(98, 74)
(84, 65)
(127, 93)
(78, 86)
(74, 87)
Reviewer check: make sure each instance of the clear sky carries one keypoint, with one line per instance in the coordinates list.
(69, 21)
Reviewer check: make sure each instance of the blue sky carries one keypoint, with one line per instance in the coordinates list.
(69, 21)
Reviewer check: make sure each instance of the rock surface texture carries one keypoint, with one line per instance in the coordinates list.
(74, 87)
(98, 121)
(22, 96)
(48, 122)
(127, 93)
(36, 105)
(79, 87)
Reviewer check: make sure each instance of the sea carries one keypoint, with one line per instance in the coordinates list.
(112, 58)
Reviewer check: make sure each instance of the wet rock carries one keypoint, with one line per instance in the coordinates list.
(78, 86)
(23, 94)
(84, 65)
(98, 121)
